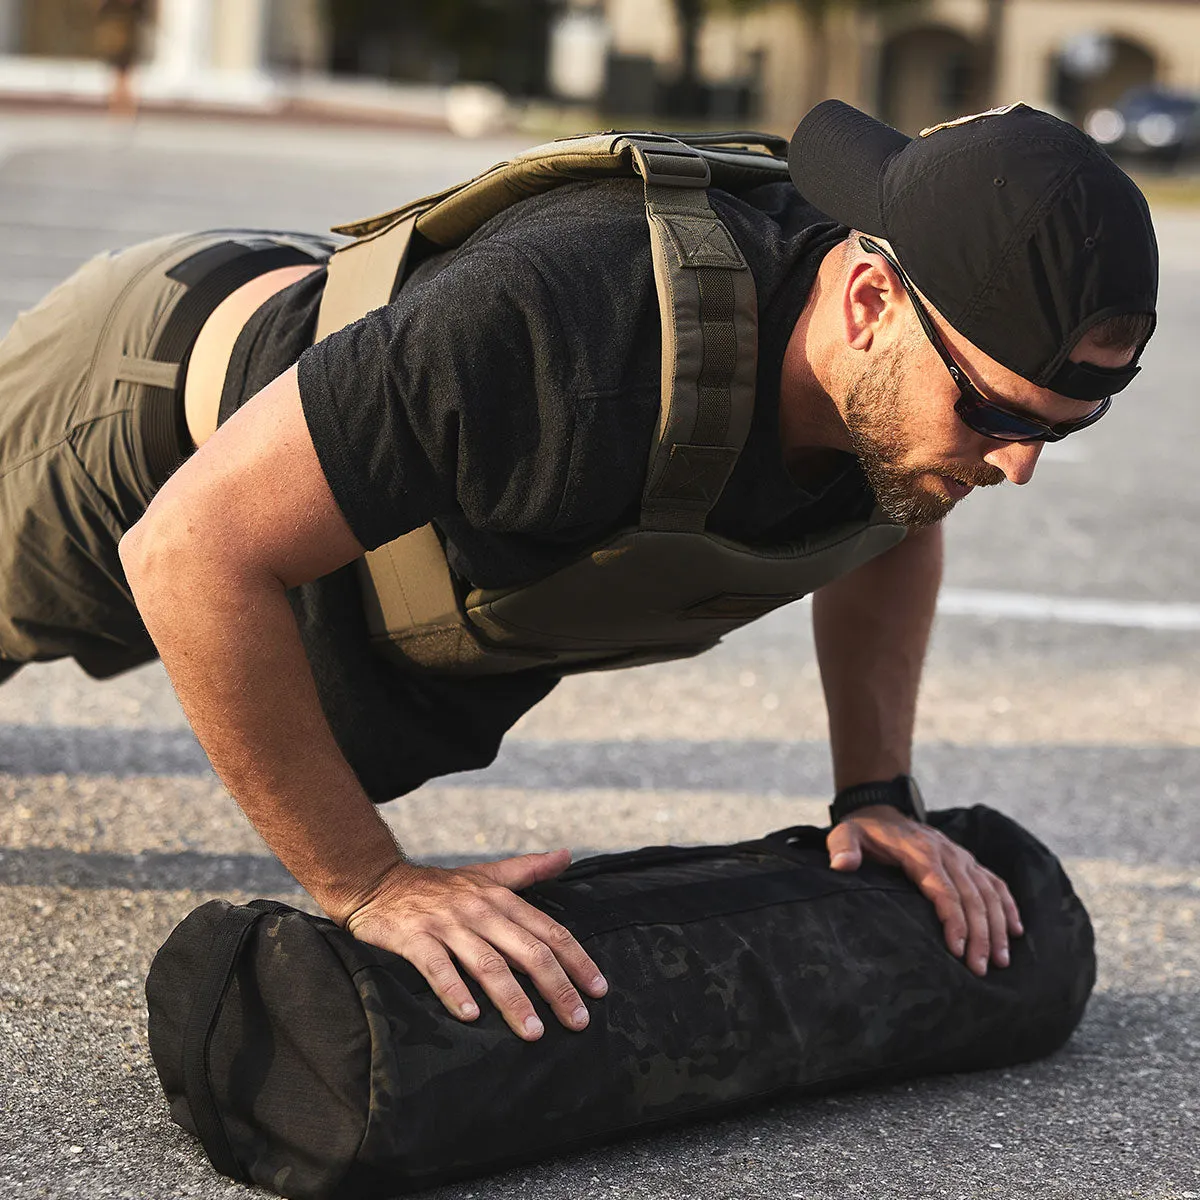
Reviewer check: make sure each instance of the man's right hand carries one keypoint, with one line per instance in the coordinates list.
(432, 916)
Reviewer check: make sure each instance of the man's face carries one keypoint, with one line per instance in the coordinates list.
(918, 456)
(888, 420)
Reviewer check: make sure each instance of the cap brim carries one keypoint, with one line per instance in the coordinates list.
(837, 158)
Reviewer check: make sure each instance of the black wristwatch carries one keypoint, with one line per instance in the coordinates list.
(901, 792)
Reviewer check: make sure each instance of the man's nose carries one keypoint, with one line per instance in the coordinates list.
(1016, 459)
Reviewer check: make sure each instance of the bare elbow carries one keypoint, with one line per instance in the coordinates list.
(152, 553)
(129, 549)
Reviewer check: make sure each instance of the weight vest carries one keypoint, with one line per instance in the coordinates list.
(665, 588)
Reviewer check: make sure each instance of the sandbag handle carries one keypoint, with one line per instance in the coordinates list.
(227, 941)
(778, 843)
(647, 856)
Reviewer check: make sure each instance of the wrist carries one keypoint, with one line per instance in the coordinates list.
(342, 898)
(343, 904)
(900, 793)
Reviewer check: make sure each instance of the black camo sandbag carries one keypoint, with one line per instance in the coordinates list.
(317, 1066)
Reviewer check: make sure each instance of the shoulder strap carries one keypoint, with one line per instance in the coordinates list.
(709, 314)
(364, 276)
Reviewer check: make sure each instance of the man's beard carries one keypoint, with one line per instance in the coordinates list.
(875, 420)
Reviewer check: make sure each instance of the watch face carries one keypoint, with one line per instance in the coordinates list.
(915, 798)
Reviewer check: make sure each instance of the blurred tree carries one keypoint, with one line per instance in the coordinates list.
(815, 13)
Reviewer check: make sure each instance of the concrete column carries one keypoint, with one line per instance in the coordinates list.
(240, 35)
(211, 52)
(183, 45)
(579, 41)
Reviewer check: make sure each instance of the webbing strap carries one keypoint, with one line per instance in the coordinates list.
(363, 276)
(202, 1021)
(676, 903)
(709, 318)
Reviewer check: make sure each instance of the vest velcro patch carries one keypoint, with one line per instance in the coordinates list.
(695, 474)
(702, 242)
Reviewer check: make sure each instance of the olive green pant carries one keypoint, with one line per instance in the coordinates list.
(92, 424)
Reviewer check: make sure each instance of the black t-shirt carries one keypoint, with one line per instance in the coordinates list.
(510, 395)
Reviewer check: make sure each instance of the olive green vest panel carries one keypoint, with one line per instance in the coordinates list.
(644, 596)
(666, 588)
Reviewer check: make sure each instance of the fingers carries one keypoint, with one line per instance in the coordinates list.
(430, 957)
(940, 890)
(974, 907)
(1012, 917)
(845, 849)
(491, 970)
(576, 961)
(997, 928)
(526, 869)
(999, 923)
(978, 946)
(517, 935)
(536, 958)
(994, 892)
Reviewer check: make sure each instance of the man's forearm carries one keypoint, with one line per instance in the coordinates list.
(872, 629)
(231, 646)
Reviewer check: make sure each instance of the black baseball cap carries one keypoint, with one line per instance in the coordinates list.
(1017, 227)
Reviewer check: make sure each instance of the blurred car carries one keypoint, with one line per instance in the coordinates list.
(1151, 124)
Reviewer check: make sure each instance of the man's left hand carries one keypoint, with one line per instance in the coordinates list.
(977, 911)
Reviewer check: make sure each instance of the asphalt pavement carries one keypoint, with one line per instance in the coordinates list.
(1060, 688)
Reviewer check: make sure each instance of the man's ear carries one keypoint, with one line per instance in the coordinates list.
(868, 300)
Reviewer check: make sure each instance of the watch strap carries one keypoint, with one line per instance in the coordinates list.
(901, 793)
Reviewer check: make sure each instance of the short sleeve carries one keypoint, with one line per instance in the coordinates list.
(453, 400)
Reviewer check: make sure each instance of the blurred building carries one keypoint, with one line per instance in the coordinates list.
(728, 61)
(915, 65)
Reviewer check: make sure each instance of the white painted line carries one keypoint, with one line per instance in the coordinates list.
(1021, 606)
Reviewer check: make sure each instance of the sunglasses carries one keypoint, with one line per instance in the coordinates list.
(974, 410)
